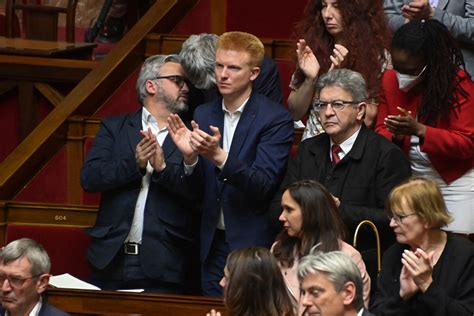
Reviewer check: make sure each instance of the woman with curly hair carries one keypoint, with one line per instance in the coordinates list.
(426, 107)
(344, 34)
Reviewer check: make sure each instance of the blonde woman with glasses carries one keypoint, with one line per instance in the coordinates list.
(428, 271)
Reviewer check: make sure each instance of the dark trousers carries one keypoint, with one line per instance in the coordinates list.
(125, 272)
(212, 269)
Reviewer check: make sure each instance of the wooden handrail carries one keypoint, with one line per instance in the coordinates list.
(87, 302)
(278, 49)
(40, 145)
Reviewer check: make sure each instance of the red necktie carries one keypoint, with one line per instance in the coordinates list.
(335, 150)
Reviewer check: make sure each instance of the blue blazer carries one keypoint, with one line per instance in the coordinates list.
(252, 173)
(170, 212)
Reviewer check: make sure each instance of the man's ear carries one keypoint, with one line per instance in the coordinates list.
(151, 87)
(42, 283)
(255, 71)
(348, 293)
(361, 108)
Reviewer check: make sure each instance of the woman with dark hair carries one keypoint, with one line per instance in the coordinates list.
(344, 34)
(427, 108)
(311, 220)
(253, 285)
(428, 271)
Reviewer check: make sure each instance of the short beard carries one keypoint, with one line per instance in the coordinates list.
(172, 105)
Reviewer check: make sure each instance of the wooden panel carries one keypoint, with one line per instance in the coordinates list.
(44, 69)
(49, 214)
(168, 44)
(82, 302)
(218, 16)
(79, 129)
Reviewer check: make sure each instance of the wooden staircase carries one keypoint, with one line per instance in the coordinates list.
(91, 92)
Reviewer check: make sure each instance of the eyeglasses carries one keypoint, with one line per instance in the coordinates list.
(398, 217)
(15, 282)
(337, 105)
(177, 79)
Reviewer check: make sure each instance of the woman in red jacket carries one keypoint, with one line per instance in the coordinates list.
(427, 107)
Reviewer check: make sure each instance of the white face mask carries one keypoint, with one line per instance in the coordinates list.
(406, 82)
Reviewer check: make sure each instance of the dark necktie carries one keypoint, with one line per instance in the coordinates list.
(335, 150)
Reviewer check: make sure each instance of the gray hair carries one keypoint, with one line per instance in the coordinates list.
(338, 267)
(29, 249)
(198, 58)
(349, 80)
(150, 70)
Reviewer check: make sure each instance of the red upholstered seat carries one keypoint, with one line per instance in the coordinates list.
(66, 246)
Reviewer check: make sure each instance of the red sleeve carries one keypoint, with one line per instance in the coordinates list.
(390, 98)
(454, 137)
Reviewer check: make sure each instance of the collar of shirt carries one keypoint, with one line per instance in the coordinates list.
(346, 145)
(149, 121)
(239, 110)
(360, 312)
(35, 311)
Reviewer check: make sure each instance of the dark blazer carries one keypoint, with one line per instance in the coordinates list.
(46, 310)
(362, 180)
(367, 313)
(252, 173)
(452, 290)
(110, 168)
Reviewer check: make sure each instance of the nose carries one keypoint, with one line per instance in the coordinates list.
(185, 87)
(222, 282)
(393, 222)
(223, 72)
(327, 12)
(306, 301)
(282, 217)
(329, 110)
(6, 287)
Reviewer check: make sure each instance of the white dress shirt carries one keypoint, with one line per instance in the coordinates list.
(136, 230)
(346, 145)
(231, 120)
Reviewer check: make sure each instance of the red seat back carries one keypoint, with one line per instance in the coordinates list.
(66, 246)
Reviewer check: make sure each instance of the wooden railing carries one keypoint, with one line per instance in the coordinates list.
(41, 144)
(167, 44)
(104, 303)
(44, 214)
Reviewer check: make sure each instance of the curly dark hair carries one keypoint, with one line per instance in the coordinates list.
(432, 42)
(366, 36)
(321, 223)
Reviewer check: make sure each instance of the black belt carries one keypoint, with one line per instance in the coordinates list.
(131, 248)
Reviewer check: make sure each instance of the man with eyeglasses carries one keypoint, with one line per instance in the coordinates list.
(24, 275)
(358, 166)
(144, 232)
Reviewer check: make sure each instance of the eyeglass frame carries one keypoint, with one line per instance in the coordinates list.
(318, 104)
(12, 280)
(399, 218)
(177, 79)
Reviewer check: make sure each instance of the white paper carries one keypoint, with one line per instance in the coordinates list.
(67, 281)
